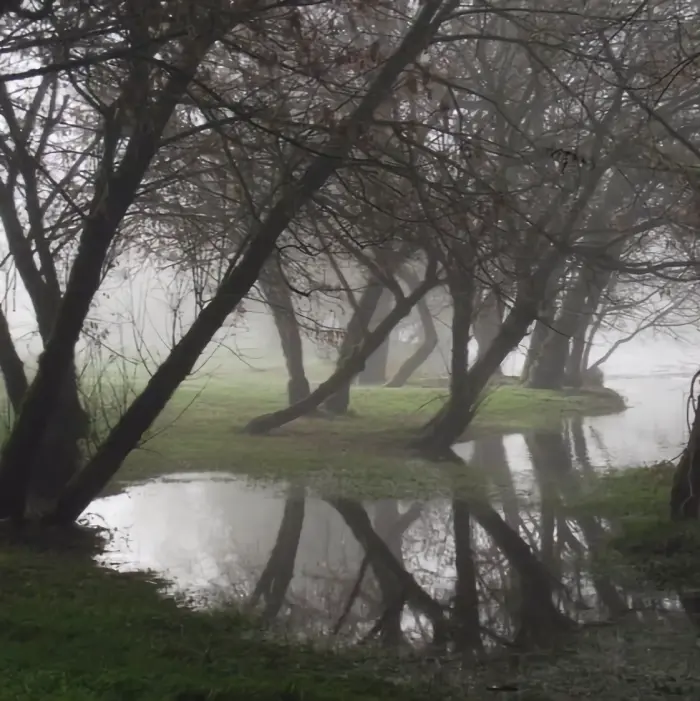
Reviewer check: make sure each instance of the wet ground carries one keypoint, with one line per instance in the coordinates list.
(317, 567)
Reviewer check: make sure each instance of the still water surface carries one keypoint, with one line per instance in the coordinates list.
(220, 539)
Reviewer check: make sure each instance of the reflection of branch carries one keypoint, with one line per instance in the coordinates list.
(382, 558)
(398, 528)
(278, 573)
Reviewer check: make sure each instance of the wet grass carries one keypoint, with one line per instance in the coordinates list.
(70, 631)
(662, 554)
(365, 453)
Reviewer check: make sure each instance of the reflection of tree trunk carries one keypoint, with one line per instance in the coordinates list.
(549, 496)
(279, 570)
(466, 600)
(386, 566)
(487, 322)
(346, 371)
(279, 299)
(355, 333)
(552, 460)
(374, 372)
(428, 344)
(386, 520)
(549, 368)
(490, 459)
(540, 621)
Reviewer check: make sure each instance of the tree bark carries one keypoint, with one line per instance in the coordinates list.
(537, 339)
(279, 299)
(238, 281)
(11, 366)
(445, 427)
(357, 329)
(449, 424)
(343, 374)
(113, 196)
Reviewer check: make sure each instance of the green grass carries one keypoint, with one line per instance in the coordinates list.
(202, 430)
(636, 504)
(70, 631)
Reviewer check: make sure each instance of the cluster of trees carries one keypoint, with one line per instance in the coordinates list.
(534, 166)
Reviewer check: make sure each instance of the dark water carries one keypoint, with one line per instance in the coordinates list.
(399, 571)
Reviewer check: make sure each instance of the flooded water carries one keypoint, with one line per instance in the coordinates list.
(398, 570)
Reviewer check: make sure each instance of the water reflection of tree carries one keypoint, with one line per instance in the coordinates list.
(467, 574)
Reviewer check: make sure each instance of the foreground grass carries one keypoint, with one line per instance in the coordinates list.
(661, 554)
(202, 430)
(70, 631)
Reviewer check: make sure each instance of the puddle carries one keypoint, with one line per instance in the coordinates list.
(313, 566)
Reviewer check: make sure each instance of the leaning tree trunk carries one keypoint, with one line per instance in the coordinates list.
(279, 299)
(540, 623)
(424, 350)
(87, 272)
(449, 424)
(357, 328)
(444, 428)
(374, 372)
(344, 373)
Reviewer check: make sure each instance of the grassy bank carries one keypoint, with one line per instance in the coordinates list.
(202, 429)
(656, 552)
(70, 631)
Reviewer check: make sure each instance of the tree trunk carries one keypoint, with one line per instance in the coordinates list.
(685, 492)
(358, 327)
(374, 372)
(537, 339)
(487, 322)
(549, 369)
(345, 372)
(114, 193)
(578, 359)
(279, 299)
(444, 428)
(112, 202)
(423, 352)
(466, 600)
(11, 366)
(449, 424)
